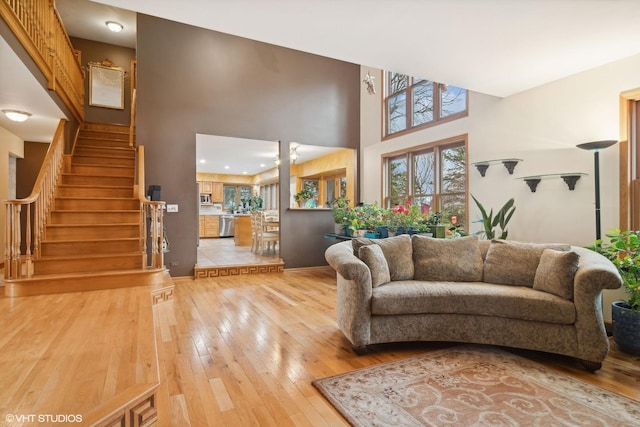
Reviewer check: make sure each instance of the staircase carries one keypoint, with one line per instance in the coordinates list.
(92, 236)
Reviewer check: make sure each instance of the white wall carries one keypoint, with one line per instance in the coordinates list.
(542, 126)
(9, 145)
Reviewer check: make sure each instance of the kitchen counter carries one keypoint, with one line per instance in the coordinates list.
(242, 234)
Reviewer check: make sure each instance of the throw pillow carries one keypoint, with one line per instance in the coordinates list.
(454, 260)
(398, 252)
(555, 273)
(374, 258)
(515, 263)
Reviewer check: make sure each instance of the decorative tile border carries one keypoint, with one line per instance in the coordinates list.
(235, 270)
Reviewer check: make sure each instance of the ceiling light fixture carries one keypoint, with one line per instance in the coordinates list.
(16, 115)
(114, 26)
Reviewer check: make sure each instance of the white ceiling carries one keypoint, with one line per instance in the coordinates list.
(241, 156)
(498, 47)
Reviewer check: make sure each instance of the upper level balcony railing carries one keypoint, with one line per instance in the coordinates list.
(38, 27)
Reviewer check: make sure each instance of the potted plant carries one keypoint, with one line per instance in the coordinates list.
(623, 250)
(303, 196)
(501, 219)
(436, 226)
(340, 211)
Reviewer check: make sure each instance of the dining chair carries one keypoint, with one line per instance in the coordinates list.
(265, 236)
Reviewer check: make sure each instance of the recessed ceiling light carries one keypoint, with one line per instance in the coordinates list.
(262, 165)
(226, 167)
(16, 115)
(114, 26)
(244, 172)
(203, 161)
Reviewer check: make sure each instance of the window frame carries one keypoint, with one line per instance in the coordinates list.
(437, 147)
(409, 85)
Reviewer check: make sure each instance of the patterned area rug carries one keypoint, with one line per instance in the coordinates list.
(472, 386)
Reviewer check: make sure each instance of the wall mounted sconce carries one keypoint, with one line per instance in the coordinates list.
(16, 115)
(114, 26)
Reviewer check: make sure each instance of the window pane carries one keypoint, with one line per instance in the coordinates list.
(422, 98)
(453, 205)
(398, 112)
(397, 82)
(229, 196)
(453, 100)
(398, 180)
(424, 202)
(330, 195)
(343, 187)
(423, 173)
(454, 166)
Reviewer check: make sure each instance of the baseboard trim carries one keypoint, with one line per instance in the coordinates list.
(236, 270)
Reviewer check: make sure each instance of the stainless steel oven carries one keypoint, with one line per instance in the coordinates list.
(226, 225)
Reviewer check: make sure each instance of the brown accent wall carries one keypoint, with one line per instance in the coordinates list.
(28, 168)
(192, 80)
(92, 51)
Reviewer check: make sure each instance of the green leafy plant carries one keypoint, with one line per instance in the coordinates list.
(502, 218)
(623, 249)
(304, 194)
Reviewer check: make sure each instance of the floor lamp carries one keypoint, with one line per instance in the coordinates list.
(596, 146)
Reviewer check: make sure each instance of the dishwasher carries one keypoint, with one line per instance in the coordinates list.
(226, 225)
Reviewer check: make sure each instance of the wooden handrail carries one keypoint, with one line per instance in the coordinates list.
(39, 28)
(132, 119)
(19, 255)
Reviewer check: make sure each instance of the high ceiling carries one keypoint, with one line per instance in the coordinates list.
(498, 47)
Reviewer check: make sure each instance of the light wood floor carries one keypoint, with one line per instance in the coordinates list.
(243, 350)
(231, 351)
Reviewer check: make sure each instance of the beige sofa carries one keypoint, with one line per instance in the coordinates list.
(544, 297)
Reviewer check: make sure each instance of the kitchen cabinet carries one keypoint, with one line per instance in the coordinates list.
(209, 226)
(217, 193)
(205, 187)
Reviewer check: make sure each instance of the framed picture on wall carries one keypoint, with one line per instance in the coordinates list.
(106, 86)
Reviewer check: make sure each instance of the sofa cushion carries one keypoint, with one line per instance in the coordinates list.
(555, 273)
(470, 298)
(374, 258)
(398, 252)
(515, 263)
(454, 260)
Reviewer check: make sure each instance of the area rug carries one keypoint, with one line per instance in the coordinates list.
(472, 386)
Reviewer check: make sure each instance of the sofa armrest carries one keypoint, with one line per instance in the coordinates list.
(353, 293)
(595, 273)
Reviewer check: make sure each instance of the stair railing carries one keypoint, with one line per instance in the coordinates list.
(151, 219)
(19, 255)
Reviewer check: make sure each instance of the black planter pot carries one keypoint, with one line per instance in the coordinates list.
(626, 327)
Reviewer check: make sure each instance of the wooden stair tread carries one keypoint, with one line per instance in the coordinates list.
(104, 240)
(83, 274)
(87, 256)
(93, 211)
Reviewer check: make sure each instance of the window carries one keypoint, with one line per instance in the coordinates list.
(236, 196)
(269, 194)
(413, 103)
(433, 175)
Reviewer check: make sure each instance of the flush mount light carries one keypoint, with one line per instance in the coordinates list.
(114, 26)
(16, 115)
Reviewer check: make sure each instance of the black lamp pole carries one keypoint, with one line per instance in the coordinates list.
(596, 146)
